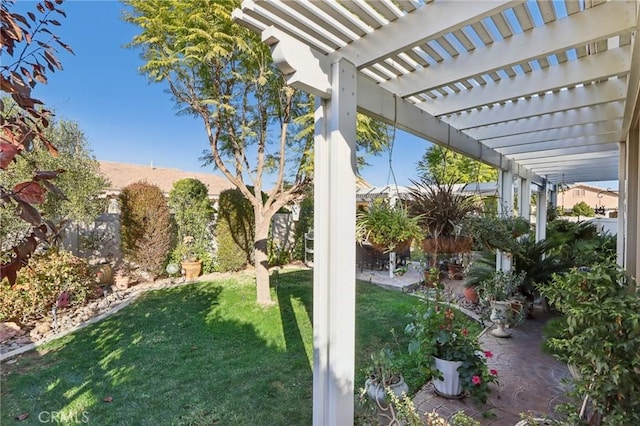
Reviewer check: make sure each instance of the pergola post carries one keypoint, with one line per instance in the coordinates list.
(633, 200)
(541, 213)
(622, 204)
(334, 232)
(505, 209)
(524, 198)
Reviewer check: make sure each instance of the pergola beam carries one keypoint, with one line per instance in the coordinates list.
(596, 113)
(595, 24)
(431, 21)
(565, 100)
(558, 144)
(386, 107)
(601, 66)
(557, 134)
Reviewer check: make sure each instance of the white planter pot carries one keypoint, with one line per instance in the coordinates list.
(450, 386)
(500, 317)
(378, 393)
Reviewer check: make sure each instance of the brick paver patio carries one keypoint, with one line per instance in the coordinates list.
(529, 380)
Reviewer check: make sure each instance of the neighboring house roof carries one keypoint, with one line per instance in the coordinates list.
(122, 174)
(591, 188)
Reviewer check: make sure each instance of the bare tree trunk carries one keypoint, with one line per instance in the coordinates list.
(262, 261)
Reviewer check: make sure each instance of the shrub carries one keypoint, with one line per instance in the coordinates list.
(193, 213)
(40, 284)
(145, 227)
(600, 336)
(234, 231)
(582, 209)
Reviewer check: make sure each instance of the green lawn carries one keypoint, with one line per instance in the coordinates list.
(198, 354)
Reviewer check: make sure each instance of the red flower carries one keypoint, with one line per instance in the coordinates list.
(488, 354)
(465, 331)
(476, 380)
(493, 372)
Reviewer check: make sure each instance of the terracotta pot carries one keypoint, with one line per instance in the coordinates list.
(470, 294)
(192, 270)
(122, 281)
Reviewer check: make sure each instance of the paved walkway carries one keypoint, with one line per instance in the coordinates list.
(529, 380)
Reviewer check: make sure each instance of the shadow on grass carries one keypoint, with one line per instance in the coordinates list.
(197, 354)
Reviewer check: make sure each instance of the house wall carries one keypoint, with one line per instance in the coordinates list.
(592, 196)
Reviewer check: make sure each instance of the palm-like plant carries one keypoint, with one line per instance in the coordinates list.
(441, 208)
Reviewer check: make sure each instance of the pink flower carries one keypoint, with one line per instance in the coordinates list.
(493, 372)
(465, 331)
(476, 380)
(488, 354)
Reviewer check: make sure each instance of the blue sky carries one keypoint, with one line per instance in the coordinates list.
(127, 119)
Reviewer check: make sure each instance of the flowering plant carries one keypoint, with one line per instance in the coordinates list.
(435, 333)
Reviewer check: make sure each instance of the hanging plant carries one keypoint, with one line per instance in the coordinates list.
(387, 227)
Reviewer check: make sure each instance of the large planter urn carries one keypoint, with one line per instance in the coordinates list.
(378, 393)
(192, 269)
(450, 385)
(500, 313)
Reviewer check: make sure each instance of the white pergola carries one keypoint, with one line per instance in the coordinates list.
(546, 91)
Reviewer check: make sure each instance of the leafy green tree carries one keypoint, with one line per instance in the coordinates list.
(224, 75)
(193, 214)
(77, 195)
(445, 165)
(582, 209)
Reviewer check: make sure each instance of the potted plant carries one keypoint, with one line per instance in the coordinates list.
(453, 357)
(383, 375)
(191, 265)
(193, 215)
(123, 275)
(601, 337)
(442, 208)
(389, 229)
(499, 293)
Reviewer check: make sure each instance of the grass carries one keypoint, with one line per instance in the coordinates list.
(203, 353)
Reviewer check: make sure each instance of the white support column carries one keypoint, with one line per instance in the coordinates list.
(334, 268)
(524, 198)
(505, 209)
(621, 238)
(633, 201)
(541, 214)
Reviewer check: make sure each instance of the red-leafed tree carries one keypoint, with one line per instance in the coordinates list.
(29, 50)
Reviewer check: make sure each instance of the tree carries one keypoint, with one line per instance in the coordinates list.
(582, 209)
(80, 187)
(193, 213)
(28, 52)
(223, 74)
(445, 165)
